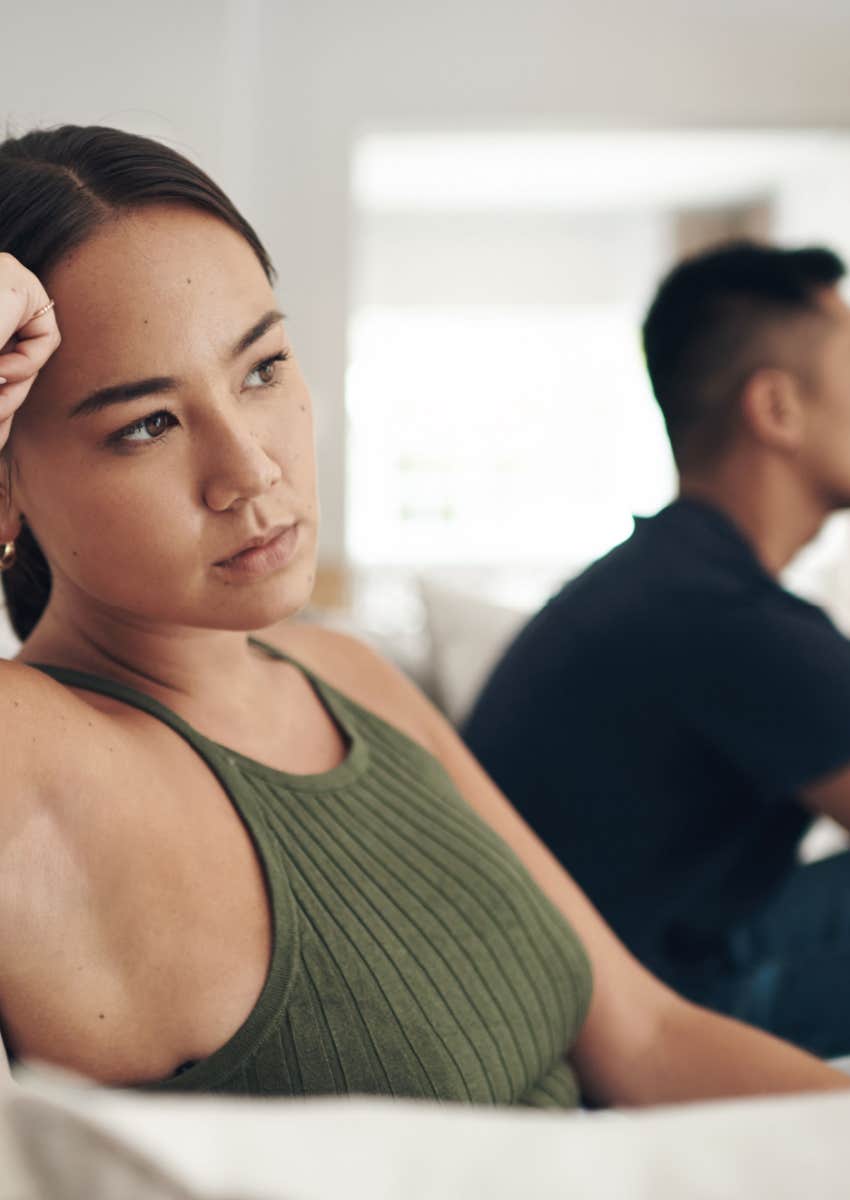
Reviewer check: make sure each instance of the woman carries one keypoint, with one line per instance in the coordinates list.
(227, 864)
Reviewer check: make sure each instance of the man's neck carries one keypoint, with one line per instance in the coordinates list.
(776, 515)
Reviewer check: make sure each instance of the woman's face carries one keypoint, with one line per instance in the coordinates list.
(171, 428)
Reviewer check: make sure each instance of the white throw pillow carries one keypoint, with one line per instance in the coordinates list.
(468, 636)
(9, 644)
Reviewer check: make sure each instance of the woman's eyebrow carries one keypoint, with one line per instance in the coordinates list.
(120, 393)
(256, 332)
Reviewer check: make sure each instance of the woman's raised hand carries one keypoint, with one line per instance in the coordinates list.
(26, 340)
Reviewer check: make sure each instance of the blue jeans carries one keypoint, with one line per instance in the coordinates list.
(787, 969)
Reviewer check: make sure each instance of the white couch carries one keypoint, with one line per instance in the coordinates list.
(65, 1141)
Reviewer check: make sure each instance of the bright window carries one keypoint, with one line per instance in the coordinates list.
(499, 435)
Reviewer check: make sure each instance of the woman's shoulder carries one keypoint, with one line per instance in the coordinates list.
(37, 729)
(22, 684)
(28, 697)
(357, 670)
(39, 720)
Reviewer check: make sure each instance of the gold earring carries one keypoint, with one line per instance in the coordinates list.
(7, 558)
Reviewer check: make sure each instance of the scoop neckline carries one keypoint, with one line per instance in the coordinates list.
(344, 772)
(351, 766)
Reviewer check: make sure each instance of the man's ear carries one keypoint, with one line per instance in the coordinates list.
(772, 408)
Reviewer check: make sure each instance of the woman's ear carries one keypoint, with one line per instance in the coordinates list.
(772, 408)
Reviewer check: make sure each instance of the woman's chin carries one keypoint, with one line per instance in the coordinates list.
(266, 606)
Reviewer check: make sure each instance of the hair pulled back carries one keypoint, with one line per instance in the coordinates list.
(57, 187)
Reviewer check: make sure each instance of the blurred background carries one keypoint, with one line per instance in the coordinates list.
(469, 205)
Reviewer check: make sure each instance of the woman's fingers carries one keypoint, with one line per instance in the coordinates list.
(22, 299)
(30, 349)
(28, 336)
(12, 396)
(21, 295)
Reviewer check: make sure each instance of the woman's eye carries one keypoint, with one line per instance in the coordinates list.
(266, 371)
(149, 429)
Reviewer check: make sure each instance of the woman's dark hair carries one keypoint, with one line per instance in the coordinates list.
(703, 333)
(57, 187)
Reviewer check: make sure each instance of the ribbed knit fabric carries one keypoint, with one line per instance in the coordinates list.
(412, 955)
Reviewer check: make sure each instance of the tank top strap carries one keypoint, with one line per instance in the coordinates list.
(345, 713)
(275, 652)
(138, 699)
(127, 695)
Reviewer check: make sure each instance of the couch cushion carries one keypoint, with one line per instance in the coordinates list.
(777, 1149)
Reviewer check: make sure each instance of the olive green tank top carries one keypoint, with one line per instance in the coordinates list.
(412, 953)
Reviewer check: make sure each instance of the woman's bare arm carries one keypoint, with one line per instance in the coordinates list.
(23, 721)
(641, 1043)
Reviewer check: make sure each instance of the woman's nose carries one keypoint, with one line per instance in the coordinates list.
(238, 468)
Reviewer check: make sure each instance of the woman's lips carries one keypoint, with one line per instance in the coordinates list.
(272, 555)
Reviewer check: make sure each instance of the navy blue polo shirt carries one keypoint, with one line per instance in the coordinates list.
(655, 724)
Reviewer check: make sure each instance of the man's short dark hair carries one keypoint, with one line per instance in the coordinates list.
(703, 332)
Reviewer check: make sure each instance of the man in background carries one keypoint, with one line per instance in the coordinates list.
(673, 719)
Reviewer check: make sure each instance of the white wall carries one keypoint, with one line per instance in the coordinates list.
(268, 96)
(184, 71)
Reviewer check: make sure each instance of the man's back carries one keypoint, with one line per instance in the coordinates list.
(656, 721)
